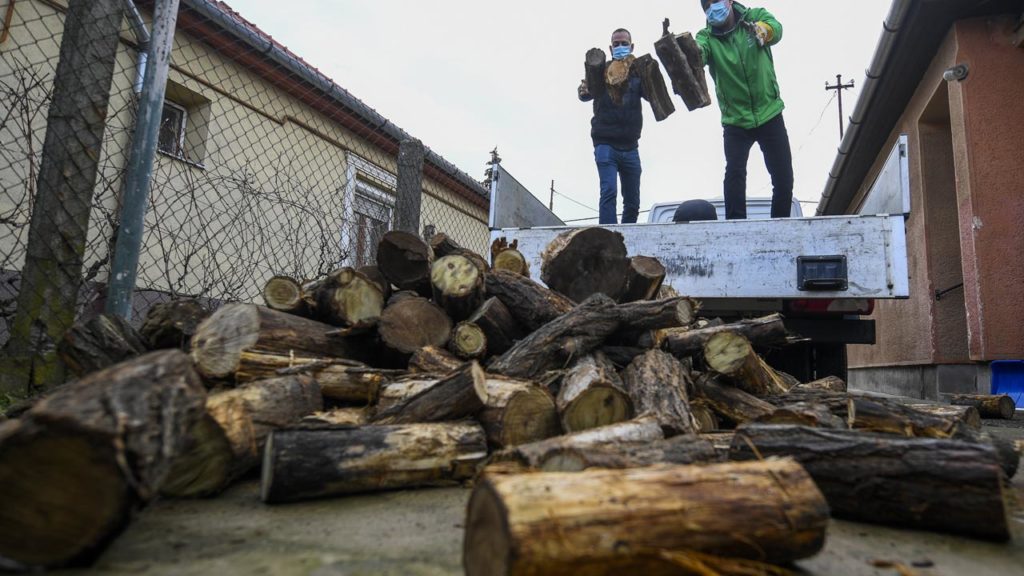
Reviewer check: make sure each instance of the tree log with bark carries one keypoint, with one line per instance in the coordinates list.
(500, 328)
(732, 355)
(517, 412)
(593, 67)
(967, 416)
(413, 323)
(646, 276)
(461, 394)
(348, 298)
(340, 380)
(433, 360)
(221, 342)
(656, 382)
(826, 384)
(531, 304)
(103, 341)
(592, 395)
(507, 257)
(678, 450)
(682, 72)
(468, 341)
(586, 261)
(988, 406)
(300, 464)
(556, 523)
(458, 286)
(76, 464)
(655, 92)
(533, 455)
(925, 484)
(406, 260)
(172, 324)
(284, 294)
(765, 331)
(730, 402)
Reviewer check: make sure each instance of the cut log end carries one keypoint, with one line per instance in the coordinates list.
(217, 347)
(284, 294)
(455, 276)
(468, 341)
(595, 407)
(512, 261)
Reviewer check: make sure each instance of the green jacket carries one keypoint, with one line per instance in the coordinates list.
(744, 73)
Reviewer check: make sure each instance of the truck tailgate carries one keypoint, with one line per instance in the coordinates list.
(758, 258)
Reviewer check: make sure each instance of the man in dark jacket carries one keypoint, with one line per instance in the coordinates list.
(615, 130)
(736, 47)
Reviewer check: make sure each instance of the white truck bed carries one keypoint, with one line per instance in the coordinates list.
(758, 259)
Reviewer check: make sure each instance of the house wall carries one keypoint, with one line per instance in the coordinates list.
(269, 195)
(965, 224)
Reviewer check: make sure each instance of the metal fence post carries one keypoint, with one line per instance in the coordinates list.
(124, 269)
(410, 186)
(58, 230)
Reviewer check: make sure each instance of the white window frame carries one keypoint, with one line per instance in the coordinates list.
(382, 192)
(180, 154)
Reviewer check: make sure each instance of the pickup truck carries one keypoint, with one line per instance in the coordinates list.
(823, 274)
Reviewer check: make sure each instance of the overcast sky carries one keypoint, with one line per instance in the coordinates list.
(466, 76)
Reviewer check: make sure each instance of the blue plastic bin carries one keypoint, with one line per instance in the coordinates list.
(1008, 378)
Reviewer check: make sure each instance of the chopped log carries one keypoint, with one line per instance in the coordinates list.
(461, 394)
(458, 286)
(586, 261)
(204, 466)
(877, 415)
(572, 335)
(75, 465)
(222, 339)
(500, 329)
(722, 441)
(656, 382)
(805, 414)
(433, 360)
(349, 299)
(172, 324)
(655, 92)
(548, 523)
(705, 417)
(338, 417)
(100, 342)
(413, 323)
(284, 294)
(340, 380)
(443, 245)
(678, 450)
(967, 416)
(689, 46)
(517, 412)
(616, 78)
(657, 314)
(988, 406)
(531, 304)
(640, 430)
(827, 384)
(300, 464)
(593, 66)
(730, 402)
(512, 260)
(400, 295)
(732, 355)
(592, 395)
(622, 356)
(468, 341)
(400, 390)
(377, 277)
(925, 484)
(644, 279)
(765, 331)
(405, 260)
(249, 413)
(682, 74)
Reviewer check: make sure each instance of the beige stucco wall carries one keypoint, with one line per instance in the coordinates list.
(270, 195)
(966, 209)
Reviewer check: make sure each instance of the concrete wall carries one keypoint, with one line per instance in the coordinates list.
(966, 223)
(267, 190)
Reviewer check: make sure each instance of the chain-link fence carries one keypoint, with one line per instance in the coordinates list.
(264, 167)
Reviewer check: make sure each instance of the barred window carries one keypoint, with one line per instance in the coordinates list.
(172, 130)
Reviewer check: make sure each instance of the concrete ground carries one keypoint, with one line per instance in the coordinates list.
(419, 533)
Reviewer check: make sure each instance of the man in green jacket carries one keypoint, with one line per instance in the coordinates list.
(736, 47)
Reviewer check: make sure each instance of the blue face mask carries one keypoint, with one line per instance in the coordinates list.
(718, 13)
(620, 52)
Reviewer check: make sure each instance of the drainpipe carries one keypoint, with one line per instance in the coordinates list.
(124, 268)
(142, 39)
(890, 32)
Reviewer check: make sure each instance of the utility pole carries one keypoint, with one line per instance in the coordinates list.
(839, 87)
(551, 201)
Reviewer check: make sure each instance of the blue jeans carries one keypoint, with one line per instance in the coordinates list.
(774, 142)
(612, 165)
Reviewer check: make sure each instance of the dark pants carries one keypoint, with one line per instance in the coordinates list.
(774, 142)
(613, 164)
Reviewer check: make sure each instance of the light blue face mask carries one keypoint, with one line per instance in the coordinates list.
(620, 52)
(718, 13)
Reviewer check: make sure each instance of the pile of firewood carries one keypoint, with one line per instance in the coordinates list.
(603, 422)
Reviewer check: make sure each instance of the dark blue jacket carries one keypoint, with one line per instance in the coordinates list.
(618, 126)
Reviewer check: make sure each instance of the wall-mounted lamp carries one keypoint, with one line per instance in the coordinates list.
(956, 73)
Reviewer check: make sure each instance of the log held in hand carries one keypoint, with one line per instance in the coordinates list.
(682, 72)
(647, 69)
